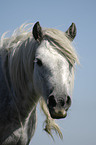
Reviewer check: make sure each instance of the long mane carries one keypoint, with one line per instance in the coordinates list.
(22, 41)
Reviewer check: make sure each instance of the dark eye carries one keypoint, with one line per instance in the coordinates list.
(39, 62)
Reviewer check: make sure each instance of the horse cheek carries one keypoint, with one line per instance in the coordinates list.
(37, 83)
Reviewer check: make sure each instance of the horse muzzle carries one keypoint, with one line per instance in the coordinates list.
(58, 113)
(58, 107)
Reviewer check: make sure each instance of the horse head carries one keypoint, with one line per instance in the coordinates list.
(53, 74)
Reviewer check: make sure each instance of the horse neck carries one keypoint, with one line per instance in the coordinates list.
(21, 77)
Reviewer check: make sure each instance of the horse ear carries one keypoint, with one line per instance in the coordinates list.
(37, 32)
(71, 32)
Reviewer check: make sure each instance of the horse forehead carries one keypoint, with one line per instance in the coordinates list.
(47, 50)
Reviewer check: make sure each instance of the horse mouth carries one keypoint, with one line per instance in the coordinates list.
(58, 114)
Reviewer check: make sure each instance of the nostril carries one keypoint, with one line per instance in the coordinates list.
(51, 102)
(68, 100)
(61, 102)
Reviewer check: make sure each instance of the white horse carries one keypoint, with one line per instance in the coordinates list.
(33, 66)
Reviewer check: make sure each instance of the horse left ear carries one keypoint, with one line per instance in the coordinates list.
(71, 32)
(37, 31)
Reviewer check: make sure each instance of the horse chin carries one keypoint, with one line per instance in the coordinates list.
(58, 114)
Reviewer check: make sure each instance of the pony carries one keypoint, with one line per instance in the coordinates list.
(35, 66)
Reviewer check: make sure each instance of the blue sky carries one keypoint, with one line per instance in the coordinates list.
(79, 128)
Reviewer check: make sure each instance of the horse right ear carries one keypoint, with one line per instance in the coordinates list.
(71, 32)
(37, 32)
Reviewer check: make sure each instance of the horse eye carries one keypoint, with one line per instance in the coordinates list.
(70, 67)
(39, 62)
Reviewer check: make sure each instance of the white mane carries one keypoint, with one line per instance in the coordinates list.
(19, 35)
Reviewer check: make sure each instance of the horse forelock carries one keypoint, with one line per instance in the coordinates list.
(60, 42)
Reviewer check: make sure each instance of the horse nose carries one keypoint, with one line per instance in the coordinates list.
(58, 106)
(60, 101)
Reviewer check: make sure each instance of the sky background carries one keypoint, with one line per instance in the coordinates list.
(79, 128)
